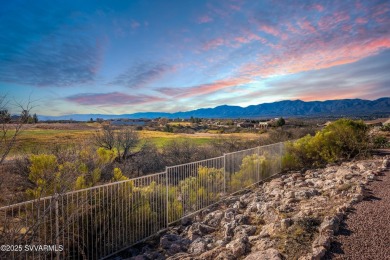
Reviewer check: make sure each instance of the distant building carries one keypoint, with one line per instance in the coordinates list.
(246, 125)
(263, 125)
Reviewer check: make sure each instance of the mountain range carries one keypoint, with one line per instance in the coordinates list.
(286, 108)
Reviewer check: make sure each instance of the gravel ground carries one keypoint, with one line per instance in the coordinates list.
(365, 233)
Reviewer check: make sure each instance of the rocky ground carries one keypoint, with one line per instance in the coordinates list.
(294, 216)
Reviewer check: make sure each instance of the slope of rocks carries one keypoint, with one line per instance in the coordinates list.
(294, 216)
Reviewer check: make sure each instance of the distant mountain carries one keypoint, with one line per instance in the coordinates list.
(287, 108)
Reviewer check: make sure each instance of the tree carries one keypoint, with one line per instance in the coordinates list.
(35, 118)
(121, 141)
(280, 122)
(10, 130)
(125, 140)
(105, 138)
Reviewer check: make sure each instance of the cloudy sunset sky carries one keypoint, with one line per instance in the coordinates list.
(116, 57)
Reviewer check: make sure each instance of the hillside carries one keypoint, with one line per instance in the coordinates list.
(287, 108)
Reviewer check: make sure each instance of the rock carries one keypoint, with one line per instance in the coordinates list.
(238, 205)
(269, 254)
(229, 214)
(197, 247)
(242, 219)
(214, 218)
(229, 230)
(329, 223)
(247, 230)
(290, 195)
(306, 194)
(174, 249)
(186, 221)
(322, 240)
(238, 246)
(268, 230)
(198, 229)
(173, 243)
(286, 223)
(225, 255)
(213, 253)
(263, 244)
(167, 240)
(318, 253)
(253, 238)
(371, 176)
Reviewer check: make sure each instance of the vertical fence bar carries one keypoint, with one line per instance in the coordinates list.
(224, 174)
(56, 196)
(167, 191)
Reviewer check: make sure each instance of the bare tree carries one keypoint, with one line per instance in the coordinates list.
(11, 126)
(121, 140)
(105, 138)
(125, 140)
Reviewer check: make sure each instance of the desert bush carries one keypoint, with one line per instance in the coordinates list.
(44, 174)
(344, 139)
(252, 169)
(385, 128)
(380, 141)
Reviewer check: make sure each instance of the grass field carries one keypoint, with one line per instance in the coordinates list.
(42, 137)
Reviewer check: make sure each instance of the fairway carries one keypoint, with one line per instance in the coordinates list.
(43, 137)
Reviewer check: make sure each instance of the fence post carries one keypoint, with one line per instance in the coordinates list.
(224, 174)
(258, 165)
(280, 155)
(57, 225)
(167, 197)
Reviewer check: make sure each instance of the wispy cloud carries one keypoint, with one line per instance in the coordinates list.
(142, 74)
(111, 99)
(205, 19)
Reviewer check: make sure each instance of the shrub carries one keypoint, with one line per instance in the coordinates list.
(43, 173)
(343, 139)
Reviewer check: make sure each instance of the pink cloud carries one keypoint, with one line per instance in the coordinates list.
(213, 44)
(111, 99)
(204, 88)
(291, 28)
(314, 55)
(361, 20)
(249, 37)
(273, 31)
(307, 26)
(205, 19)
(318, 7)
(329, 22)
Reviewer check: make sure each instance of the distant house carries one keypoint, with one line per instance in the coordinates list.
(263, 125)
(246, 125)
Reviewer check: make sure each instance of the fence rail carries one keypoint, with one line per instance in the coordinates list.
(97, 222)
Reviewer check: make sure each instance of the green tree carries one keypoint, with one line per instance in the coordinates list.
(280, 122)
(35, 118)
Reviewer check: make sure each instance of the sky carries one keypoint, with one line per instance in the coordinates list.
(119, 57)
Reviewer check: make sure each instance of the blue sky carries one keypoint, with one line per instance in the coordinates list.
(115, 57)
